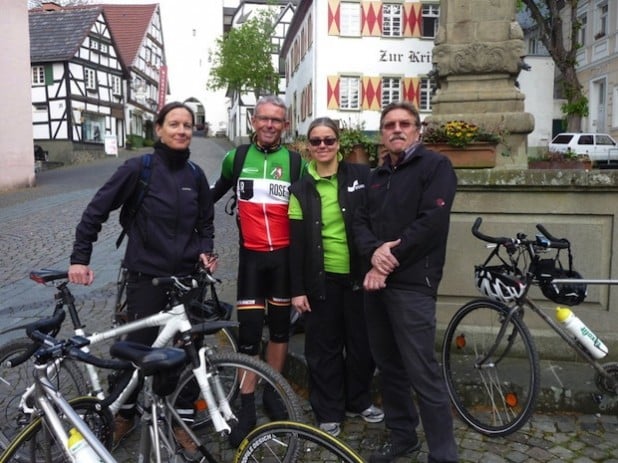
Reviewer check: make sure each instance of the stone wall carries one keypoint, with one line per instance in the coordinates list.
(578, 205)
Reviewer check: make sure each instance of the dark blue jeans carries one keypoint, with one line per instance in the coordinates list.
(402, 331)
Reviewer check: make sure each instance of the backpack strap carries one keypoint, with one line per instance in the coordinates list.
(239, 160)
(135, 202)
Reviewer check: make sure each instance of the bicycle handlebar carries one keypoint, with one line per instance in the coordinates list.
(46, 346)
(546, 241)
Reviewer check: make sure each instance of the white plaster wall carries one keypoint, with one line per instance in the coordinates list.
(16, 155)
(363, 56)
(537, 86)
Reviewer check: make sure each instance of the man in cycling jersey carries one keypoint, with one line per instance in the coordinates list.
(263, 271)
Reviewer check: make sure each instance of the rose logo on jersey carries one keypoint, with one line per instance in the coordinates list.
(277, 173)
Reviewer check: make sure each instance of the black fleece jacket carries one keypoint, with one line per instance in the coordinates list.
(306, 250)
(174, 224)
(412, 202)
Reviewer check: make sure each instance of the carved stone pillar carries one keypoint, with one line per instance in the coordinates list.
(477, 57)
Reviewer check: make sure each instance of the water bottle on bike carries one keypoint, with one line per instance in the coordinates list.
(80, 449)
(581, 332)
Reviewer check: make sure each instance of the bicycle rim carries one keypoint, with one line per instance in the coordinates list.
(35, 443)
(497, 397)
(68, 378)
(286, 441)
(227, 368)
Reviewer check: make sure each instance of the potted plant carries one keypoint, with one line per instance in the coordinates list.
(355, 144)
(466, 144)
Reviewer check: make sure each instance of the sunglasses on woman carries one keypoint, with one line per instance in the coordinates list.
(328, 141)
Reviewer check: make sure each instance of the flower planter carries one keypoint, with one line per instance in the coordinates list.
(477, 155)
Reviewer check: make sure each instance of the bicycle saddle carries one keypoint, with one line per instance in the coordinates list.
(149, 360)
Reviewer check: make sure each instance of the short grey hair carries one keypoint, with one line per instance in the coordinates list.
(271, 99)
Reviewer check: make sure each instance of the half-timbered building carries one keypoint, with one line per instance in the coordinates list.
(77, 80)
(137, 32)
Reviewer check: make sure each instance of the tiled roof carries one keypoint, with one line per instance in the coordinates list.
(57, 35)
(129, 25)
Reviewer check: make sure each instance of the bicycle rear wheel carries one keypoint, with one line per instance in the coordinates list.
(35, 443)
(287, 441)
(228, 368)
(495, 397)
(14, 381)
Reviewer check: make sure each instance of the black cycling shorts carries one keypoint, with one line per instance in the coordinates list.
(262, 277)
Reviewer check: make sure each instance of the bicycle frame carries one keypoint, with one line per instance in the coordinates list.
(172, 321)
(50, 400)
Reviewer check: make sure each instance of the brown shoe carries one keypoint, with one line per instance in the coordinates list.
(189, 447)
(122, 428)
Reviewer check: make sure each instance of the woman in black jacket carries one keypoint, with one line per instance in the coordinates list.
(170, 232)
(326, 281)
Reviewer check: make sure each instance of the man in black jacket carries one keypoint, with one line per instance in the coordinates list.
(402, 233)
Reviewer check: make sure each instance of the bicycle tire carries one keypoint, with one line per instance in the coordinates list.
(227, 365)
(15, 380)
(499, 398)
(288, 441)
(33, 441)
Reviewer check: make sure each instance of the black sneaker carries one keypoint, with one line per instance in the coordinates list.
(273, 405)
(246, 420)
(390, 452)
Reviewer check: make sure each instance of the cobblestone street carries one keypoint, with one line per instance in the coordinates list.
(37, 231)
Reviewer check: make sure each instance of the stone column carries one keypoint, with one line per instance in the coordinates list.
(477, 57)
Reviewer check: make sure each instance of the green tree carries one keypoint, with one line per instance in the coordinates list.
(561, 41)
(242, 61)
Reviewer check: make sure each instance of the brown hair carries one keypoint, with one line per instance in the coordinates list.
(165, 110)
(326, 122)
(405, 105)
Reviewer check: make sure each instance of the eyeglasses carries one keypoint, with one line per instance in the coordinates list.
(392, 124)
(272, 120)
(329, 141)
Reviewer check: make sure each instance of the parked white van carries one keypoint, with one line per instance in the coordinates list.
(600, 147)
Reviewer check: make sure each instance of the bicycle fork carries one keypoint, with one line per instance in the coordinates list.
(218, 406)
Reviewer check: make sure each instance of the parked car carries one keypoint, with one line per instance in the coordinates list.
(600, 147)
(40, 154)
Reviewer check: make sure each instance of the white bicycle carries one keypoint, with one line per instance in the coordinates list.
(216, 373)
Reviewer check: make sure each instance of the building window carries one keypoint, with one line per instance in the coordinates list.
(38, 75)
(581, 34)
(602, 10)
(90, 76)
(93, 128)
(391, 90)
(424, 102)
(391, 20)
(116, 87)
(94, 44)
(349, 91)
(431, 16)
(350, 16)
(104, 48)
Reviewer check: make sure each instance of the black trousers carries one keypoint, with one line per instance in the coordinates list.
(143, 300)
(337, 351)
(402, 331)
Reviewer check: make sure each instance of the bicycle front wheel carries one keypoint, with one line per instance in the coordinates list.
(287, 441)
(36, 443)
(491, 367)
(65, 375)
(228, 370)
